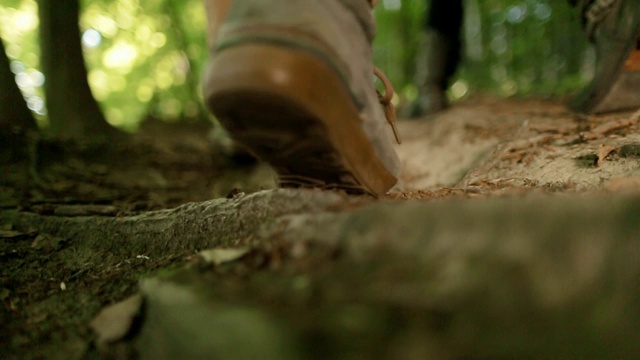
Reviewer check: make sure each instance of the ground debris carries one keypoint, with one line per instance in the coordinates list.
(610, 127)
(47, 243)
(10, 234)
(222, 256)
(478, 270)
(8, 231)
(114, 322)
(348, 278)
(604, 151)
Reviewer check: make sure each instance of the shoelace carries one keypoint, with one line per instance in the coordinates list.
(385, 99)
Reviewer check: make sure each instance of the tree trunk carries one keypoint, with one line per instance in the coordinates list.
(193, 83)
(73, 112)
(13, 109)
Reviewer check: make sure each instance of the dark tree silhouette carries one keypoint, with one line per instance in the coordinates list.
(13, 109)
(173, 8)
(73, 112)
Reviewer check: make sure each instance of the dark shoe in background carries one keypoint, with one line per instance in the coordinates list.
(433, 70)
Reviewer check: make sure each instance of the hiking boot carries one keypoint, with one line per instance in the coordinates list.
(614, 27)
(293, 82)
(432, 78)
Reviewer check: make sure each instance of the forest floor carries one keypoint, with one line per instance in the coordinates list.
(213, 260)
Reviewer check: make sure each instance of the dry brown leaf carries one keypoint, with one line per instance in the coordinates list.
(47, 243)
(606, 128)
(604, 151)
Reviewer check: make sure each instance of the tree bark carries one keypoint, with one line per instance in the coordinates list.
(73, 112)
(13, 109)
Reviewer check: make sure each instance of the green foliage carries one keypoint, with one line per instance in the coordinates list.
(11, 3)
(19, 30)
(142, 55)
(146, 57)
(147, 54)
(511, 47)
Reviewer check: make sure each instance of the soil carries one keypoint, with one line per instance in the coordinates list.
(51, 289)
(48, 293)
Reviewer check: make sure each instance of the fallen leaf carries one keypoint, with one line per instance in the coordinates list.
(222, 256)
(10, 234)
(4, 294)
(46, 242)
(609, 127)
(114, 321)
(604, 151)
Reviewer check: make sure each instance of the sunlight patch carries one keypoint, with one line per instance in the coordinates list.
(121, 56)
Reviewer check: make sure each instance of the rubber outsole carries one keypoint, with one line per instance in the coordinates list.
(292, 110)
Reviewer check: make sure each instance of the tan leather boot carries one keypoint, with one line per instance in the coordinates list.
(293, 81)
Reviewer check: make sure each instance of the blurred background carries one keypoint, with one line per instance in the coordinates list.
(145, 58)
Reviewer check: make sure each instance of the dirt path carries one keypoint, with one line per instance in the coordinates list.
(550, 249)
(535, 143)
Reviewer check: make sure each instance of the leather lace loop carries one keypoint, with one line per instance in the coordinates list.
(385, 101)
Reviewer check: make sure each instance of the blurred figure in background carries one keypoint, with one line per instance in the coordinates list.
(438, 56)
(612, 26)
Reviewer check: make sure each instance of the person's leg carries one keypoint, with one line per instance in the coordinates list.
(613, 26)
(438, 57)
(445, 20)
(293, 82)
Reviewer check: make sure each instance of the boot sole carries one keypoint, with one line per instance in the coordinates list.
(292, 110)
